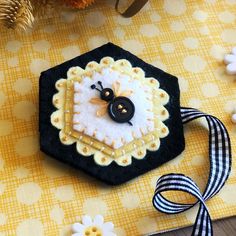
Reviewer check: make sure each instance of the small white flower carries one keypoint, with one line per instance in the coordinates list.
(95, 227)
(230, 60)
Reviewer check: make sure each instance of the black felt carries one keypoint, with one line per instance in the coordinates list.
(170, 147)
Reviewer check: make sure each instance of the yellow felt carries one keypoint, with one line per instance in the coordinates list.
(39, 196)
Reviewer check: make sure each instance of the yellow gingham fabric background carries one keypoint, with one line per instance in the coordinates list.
(39, 196)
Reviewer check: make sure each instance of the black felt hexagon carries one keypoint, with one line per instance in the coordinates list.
(170, 147)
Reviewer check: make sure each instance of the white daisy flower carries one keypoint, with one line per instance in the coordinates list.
(93, 227)
(230, 60)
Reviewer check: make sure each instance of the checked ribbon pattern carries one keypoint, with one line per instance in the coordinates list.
(220, 166)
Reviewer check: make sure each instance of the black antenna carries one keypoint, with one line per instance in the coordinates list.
(100, 83)
(93, 86)
(130, 123)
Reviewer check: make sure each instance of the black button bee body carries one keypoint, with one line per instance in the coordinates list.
(121, 109)
(107, 94)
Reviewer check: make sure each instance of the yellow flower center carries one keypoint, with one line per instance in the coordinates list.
(92, 231)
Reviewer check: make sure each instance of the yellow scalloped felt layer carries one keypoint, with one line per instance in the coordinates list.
(86, 145)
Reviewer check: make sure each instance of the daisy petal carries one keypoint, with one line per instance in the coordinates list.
(77, 234)
(229, 58)
(231, 68)
(78, 228)
(108, 226)
(86, 220)
(98, 220)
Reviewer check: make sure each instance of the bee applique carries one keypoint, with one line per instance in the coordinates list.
(114, 102)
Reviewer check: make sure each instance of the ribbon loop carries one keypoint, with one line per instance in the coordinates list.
(220, 166)
(133, 9)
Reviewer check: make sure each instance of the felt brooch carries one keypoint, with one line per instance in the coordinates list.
(230, 61)
(108, 112)
(115, 117)
(93, 227)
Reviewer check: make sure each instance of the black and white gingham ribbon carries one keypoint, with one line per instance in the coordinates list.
(220, 165)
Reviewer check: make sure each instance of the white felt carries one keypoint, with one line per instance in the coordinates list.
(104, 127)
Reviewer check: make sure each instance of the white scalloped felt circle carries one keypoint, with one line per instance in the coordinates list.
(78, 120)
